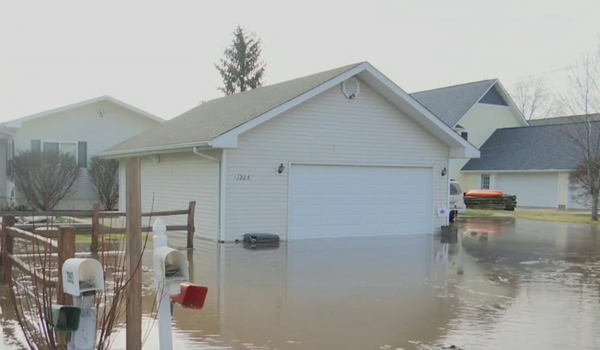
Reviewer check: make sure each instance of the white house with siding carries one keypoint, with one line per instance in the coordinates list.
(344, 152)
(82, 129)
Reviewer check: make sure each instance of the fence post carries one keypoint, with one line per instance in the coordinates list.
(133, 232)
(191, 225)
(95, 228)
(7, 246)
(66, 250)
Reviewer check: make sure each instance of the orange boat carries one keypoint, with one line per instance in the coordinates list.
(483, 193)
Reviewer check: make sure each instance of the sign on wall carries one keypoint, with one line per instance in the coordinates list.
(242, 176)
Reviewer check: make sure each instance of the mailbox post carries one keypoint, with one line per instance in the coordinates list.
(171, 276)
(82, 278)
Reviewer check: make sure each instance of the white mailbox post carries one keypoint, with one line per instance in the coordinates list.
(82, 278)
(170, 269)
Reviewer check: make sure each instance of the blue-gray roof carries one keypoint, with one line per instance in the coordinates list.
(543, 147)
(451, 103)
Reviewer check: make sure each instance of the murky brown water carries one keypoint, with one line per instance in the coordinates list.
(525, 285)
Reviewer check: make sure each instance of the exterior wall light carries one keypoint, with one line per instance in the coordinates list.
(280, 169)
(443, 173)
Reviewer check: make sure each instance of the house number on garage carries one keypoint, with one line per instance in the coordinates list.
(242, 176)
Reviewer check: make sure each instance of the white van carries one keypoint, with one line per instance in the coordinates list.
(457, 200)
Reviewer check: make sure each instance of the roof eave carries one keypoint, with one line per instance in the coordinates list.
(144, 151)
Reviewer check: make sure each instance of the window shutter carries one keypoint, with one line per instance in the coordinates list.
(36, 146)
(36, 149)
(82, 154)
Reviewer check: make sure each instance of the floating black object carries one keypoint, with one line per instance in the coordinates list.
(260, 238)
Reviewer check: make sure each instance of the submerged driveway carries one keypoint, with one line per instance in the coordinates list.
(506, 284)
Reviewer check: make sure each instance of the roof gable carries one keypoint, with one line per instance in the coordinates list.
(493, 97)
(451, 103)
(17, 123)
(219, 122)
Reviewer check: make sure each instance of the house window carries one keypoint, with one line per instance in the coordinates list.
(485, 181)
(464, 135)
(56, 148)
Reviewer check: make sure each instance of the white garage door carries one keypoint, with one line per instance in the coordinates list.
(532, 190)
(339, 201)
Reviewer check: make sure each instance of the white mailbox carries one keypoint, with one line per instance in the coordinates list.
(82, 275)
(170, 269)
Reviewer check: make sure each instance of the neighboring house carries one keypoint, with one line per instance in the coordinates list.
(344, 152)
(82, 129)
(565, 120)
(532, 162)
(474, 110)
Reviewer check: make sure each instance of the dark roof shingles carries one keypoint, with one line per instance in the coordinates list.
(451, 103)
(544, 147)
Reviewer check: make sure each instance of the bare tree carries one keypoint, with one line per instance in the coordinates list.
(104, 174)
(44, 179)
(533, 98)
(583, 97)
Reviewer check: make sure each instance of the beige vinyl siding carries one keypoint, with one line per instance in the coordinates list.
(481, 122)
(328, 129)
(171, 181)
(84, 124)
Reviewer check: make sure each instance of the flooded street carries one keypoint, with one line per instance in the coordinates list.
(504, 284)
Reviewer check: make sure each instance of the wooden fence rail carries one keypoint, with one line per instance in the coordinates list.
(65, 247)
(96, 228)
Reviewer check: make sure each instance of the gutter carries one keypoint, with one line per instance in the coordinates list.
(153, 150)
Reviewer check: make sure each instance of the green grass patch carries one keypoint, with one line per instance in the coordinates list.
(575, 218)
(552, 216)
(113, 236)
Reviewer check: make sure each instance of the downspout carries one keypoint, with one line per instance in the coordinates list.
(221, 164)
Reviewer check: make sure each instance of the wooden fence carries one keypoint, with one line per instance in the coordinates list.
(65, 247)
(96, 229)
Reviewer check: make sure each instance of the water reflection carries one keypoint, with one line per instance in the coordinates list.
(502, 284)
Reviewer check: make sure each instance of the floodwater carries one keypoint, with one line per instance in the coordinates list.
(505, 284)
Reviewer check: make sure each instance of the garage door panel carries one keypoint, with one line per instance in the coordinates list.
(337, 201)
(531, 189)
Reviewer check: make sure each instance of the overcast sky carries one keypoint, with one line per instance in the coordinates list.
(159, 56)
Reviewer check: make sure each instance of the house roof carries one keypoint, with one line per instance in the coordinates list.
(564, 120)
(218, 123)
(17, 123)
(543, 147)
(451, 103)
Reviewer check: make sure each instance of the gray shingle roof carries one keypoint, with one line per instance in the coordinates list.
(543, 147)
(564, 120)
(451, 103)
(216, 117)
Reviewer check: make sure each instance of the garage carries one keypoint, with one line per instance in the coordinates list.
(340, 201)
(339, 153)
(159, 180)
(531, 189)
